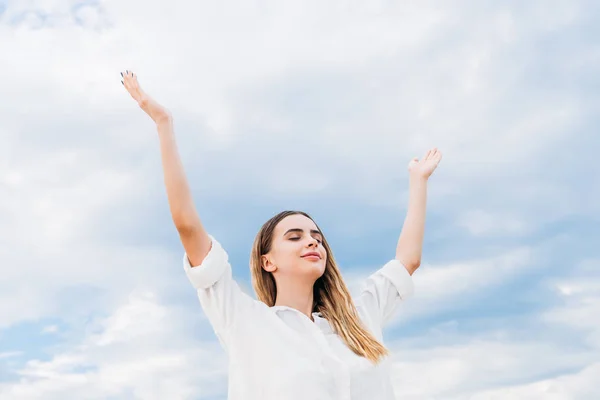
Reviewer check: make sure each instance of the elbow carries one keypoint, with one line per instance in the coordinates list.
(185, 223)
(185, 226)
(411, 264)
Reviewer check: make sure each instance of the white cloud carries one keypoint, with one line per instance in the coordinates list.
(10, 354)
(142, 350)
(482, 223)
(579, 385)
(580, 303)
(465, 370)
(449, 361)
(50, 329)
(441, 287)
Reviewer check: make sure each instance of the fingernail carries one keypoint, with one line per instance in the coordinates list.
(121, 74)
(123, 83)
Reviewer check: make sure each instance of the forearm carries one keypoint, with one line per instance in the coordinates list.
(179, 195)
(410, 243)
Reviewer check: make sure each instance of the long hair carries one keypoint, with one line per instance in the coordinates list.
(331, 296)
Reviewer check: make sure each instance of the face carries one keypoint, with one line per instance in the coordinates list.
(296, 249)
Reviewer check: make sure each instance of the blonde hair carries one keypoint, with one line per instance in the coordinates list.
(331, 296)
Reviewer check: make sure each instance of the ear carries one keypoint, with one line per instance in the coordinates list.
(267, 264)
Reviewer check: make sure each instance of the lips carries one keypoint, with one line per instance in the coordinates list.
(312, 254)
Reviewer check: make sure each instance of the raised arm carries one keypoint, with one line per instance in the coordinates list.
(392, 283)
(410, 243)
(194, 237)
(205, 262)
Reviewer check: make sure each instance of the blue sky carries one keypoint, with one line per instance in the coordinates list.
(309, 106)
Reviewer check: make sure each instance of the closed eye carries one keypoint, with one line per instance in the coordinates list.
(314, 233)
(297, 238)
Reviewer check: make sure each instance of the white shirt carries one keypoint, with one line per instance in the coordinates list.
(278, 353)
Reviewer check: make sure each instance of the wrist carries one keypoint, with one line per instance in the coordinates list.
(417, 177)
(162, 120)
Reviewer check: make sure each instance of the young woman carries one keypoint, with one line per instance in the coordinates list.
(305, 337)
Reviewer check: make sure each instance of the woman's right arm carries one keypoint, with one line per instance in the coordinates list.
(205, 262)
(194, 237)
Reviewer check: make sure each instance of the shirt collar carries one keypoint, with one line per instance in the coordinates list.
(320, 322)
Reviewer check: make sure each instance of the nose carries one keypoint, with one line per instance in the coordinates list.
(313, 242)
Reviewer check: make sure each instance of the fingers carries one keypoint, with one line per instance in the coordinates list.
(436, 156)
(128, 78)
(131, 84)
(433, 154)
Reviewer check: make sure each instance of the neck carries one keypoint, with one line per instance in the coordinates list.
(299, 297)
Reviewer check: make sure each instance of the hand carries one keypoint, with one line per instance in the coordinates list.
(157, 112)
(425, 167)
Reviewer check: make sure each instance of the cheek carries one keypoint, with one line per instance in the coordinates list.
(285, 253)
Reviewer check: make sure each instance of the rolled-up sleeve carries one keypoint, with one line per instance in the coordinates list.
(220, 296)
(384, 290)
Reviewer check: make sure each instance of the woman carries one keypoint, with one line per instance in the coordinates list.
(304, 338)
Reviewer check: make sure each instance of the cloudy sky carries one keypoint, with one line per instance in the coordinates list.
(307, 105)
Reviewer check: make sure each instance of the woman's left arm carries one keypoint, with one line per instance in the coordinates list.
(410, 243)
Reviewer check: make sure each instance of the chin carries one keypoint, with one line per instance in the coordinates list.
(316, 269)
(320, 269)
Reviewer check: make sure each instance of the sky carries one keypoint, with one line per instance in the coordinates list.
(316, 106)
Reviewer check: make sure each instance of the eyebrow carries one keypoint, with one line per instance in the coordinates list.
(312, 231)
